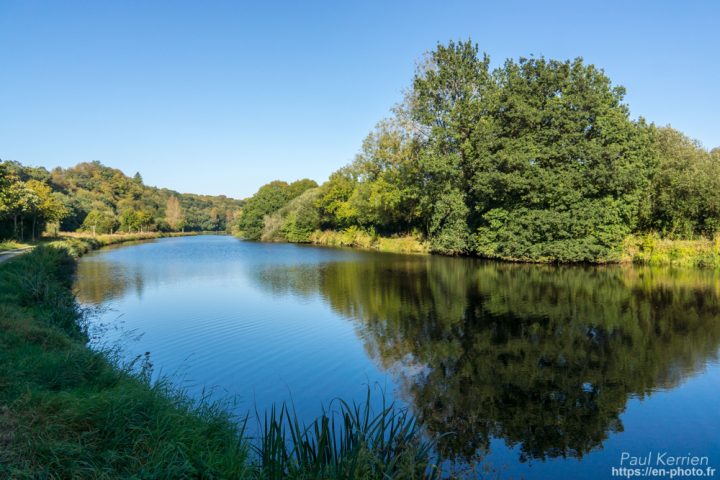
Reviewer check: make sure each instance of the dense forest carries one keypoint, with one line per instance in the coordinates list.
(94, 198)
(534, 160)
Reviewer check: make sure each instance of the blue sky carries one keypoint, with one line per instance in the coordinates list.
(220, 97)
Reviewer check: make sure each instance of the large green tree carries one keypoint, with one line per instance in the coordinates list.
(100, 220)
(537, 160)
(448, 108)
(268, 199)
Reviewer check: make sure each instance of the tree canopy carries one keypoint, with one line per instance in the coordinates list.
(268, 199)
(535, 160)
(95, 198)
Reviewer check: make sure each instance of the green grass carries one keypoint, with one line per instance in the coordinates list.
(71, 412)
(350, 441)
(648, 249)
(368, 240)
(79, 243)
(67, 411)
(653, 250)
(6, 245)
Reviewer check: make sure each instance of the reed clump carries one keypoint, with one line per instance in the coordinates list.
(350, 441)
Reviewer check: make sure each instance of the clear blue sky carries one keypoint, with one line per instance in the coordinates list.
(222, 96)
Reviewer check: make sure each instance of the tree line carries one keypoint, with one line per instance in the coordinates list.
(535, 160)
(94, 198)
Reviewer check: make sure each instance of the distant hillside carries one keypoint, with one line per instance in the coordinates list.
(94, 197)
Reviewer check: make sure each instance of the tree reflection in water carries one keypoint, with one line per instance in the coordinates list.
(544, 357)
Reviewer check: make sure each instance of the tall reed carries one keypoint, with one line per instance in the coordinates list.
(346, 441)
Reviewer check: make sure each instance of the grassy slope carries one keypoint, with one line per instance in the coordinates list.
(70, 412)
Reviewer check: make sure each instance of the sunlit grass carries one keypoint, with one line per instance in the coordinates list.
(652, 250)
(369, 240)
(6, 245)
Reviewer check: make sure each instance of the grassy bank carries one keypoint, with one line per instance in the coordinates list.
(6, 245)
(78, 244)
(652, 250)
(638, 249)
(358, 238)
(70, 412)
(67, 411)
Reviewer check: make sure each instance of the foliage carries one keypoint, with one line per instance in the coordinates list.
(378, 189)
(536, 160)
(267, 200)
(100, 221)
(350, 442)
(174, 215)
(369, 240)
(684, 199)
(93, 195)
(650, 249)
(539, 157)
(295, 221)
(27, 204)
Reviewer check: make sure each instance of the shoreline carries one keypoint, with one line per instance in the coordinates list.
(644, 250)
(78, 244)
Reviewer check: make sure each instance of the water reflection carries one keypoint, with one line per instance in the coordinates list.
(543, 357)
(105, 281)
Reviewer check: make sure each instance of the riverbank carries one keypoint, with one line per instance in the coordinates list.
(653, 250)
(361, 239)
(78, 244)
(636, 249)
(67, 411)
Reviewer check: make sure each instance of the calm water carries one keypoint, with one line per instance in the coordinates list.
(543, 372)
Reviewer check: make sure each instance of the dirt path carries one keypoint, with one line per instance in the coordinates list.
(7, 255)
